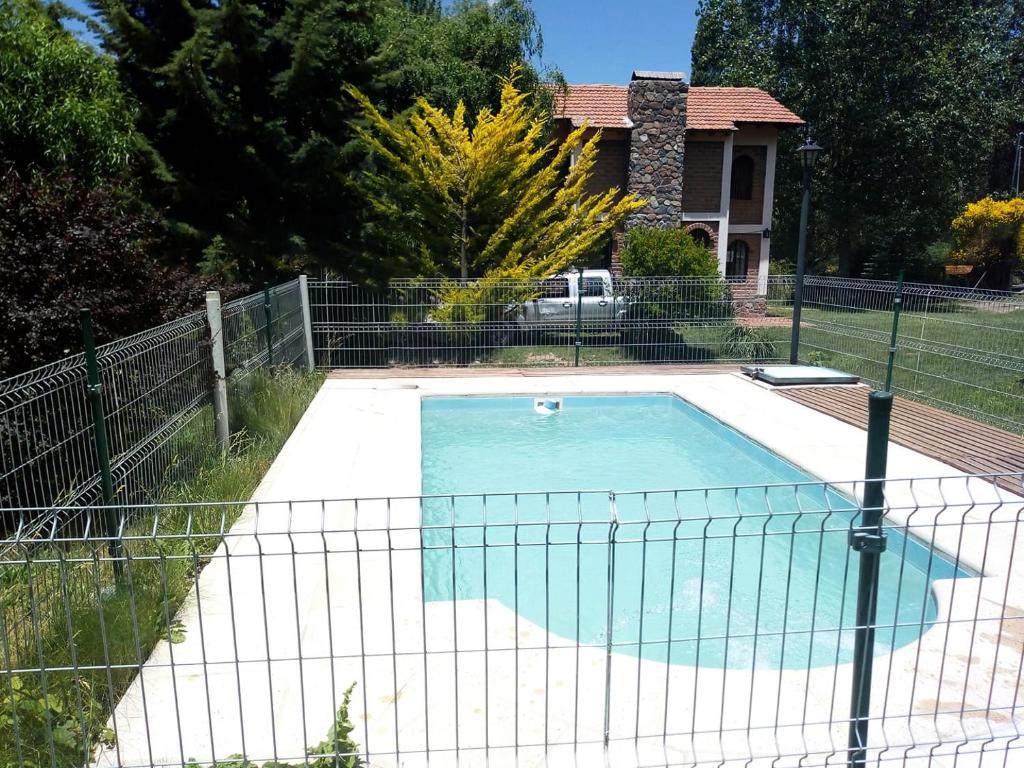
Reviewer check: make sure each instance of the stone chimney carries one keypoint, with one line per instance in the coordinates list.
(657, 109)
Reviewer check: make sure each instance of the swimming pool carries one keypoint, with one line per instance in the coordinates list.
(727, 578)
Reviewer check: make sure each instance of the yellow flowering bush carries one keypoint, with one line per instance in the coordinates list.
(990, 233)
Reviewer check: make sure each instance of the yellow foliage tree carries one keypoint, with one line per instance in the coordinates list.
(495, 201)
(990, 234)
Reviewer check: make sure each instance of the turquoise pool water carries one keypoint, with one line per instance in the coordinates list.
(758, 577)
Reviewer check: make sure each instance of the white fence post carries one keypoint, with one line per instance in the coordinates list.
(220, 385)
(307, 321)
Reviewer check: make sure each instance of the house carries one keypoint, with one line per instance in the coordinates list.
(703, 157)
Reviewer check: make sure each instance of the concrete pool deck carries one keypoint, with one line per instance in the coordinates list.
(288, 581)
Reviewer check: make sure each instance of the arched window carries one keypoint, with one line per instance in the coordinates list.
(736, 259)
(701, 237)
(742, 180)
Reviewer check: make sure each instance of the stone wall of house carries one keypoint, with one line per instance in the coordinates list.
(702, 176)
(657, 109)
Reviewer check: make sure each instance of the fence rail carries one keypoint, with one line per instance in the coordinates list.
(710, 626)
(156, 393)
(957, 348)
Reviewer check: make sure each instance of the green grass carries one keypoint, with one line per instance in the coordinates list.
(84, 619)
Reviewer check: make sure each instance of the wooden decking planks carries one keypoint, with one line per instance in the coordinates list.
(968, 445)
(426, 373)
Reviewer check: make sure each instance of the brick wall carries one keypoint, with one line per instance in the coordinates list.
(611, 167)
(702, 176)
(750, 211)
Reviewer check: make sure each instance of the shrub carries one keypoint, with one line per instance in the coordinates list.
(745, 343)
(650, 251)
(66, 245)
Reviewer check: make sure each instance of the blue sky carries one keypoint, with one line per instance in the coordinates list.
(599, 41)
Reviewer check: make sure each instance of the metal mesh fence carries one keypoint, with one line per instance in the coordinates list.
(155, 388)
(958, 349)
(710, 626)
(156, 394)
(537, 323)
(247, 346)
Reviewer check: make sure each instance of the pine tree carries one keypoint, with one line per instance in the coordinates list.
(243, 108)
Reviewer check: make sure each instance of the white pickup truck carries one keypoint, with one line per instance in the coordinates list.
(562, 296)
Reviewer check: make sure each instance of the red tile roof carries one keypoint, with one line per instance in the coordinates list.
(708, 108)
(602, 106)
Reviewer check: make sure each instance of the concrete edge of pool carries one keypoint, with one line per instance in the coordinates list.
(361, 438)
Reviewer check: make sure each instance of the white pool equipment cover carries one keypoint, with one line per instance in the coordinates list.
(779, 375)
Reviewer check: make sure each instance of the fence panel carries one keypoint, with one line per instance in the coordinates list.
(427, 322)
(156, 398)
(702, 627)
(156, 389)
(957, 349)
(246, 344)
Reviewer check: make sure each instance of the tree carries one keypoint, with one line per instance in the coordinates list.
(989, 234)
(242, 104)
(61, 106)
(912, 101)
(495, 200)
(460, 55)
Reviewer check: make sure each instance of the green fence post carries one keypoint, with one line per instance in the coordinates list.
(897, 305)
(268, 328)
(869, 540)
(579, 316)
(95, 389)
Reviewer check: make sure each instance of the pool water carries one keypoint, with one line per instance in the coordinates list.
(757, 577)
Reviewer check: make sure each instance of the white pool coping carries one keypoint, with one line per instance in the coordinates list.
(361, 438)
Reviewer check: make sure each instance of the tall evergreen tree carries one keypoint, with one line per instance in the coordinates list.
(242, 104)
(912, 101)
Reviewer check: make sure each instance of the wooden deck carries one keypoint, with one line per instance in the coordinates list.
(968, 445)
(591, 370)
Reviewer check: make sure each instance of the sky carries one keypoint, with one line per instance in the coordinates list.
(603, 41)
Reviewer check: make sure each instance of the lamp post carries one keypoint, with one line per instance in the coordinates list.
(808, 157)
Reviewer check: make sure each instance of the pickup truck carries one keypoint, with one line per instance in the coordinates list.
(562, 296)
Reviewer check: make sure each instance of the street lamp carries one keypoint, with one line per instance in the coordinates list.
(809, 153)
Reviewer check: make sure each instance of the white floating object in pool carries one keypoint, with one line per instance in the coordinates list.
(547, 406)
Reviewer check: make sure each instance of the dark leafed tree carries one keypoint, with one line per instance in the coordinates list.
(243, 107)
(913, 101)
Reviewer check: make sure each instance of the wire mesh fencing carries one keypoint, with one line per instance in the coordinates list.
(712, 626)
(264, 329)
(156, 400)
(566, 320)
(958, 349)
